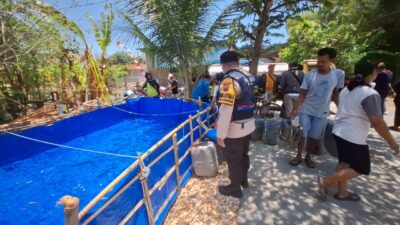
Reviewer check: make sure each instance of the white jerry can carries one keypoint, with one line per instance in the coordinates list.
(205, 160)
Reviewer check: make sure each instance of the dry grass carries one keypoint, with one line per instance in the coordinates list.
(200, 203)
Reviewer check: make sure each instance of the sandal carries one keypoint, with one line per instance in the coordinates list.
(350, 197)
(309, 163)
(295, 161)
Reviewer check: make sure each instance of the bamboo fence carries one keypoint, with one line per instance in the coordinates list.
(78, 217)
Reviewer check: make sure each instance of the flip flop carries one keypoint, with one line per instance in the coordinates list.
(295, 161)
(322, 190)
(310, 163)
(350, 197)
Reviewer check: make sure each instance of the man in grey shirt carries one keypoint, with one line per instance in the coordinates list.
(320, 86)
(290, 85)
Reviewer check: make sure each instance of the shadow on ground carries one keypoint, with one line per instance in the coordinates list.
(282, 194)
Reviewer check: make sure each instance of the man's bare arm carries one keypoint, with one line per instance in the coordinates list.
(299, 102)
(335, 96)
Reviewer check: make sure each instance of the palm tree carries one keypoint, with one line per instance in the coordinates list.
(178, 33)
(265, 15)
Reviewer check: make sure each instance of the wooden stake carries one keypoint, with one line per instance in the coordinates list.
(198, 122)
(191, 130)
(71, 205)
(145, 188)
(178, 176)
(208, 118)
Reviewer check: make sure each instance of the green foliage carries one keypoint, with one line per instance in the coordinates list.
(353, 28)
(312, 31)
(39, 54)
(265, 16)
(115, 72)
(4, 114)
(278, 12)
(103, 34)
(178, 33)
(392, 61)
(120, 58)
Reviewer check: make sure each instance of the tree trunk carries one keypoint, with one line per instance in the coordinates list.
(187, 75)
(261, 28)
(126, 82)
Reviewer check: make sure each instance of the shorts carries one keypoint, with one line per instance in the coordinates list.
(355, 155)
(311, 126)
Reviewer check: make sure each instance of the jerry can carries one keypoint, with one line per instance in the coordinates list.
(205, 160)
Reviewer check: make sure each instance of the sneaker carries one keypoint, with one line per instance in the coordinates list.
(229, 191)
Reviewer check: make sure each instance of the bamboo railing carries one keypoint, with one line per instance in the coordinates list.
(147, 193)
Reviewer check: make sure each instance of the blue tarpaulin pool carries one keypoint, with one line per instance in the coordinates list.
(33, 175)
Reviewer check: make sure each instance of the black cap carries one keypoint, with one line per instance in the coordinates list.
(229, 56)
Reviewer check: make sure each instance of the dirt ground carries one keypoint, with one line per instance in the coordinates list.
(201, 204)
(282, 194)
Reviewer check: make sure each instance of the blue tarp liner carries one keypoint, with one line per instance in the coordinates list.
(212, 134)
(15, 149)
(117, 210)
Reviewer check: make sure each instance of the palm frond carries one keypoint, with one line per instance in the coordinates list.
(58, 17)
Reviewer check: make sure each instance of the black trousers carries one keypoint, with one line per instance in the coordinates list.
(236, 153)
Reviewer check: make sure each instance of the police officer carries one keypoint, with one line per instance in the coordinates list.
(235, 122)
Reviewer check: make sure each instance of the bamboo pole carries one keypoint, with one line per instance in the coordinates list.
(160, 157)
(191, 130)
(160, 184)
(71, 205)
(164, 139)
(184, 138)
(208, 118)
(111, 200)
(145, 188)
(92, 203)
(199, 121)
(165, 203)
(131, 213)
(184, 174)
(169, 135)
(176, 148)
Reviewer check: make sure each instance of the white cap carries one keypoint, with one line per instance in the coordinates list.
(170, 75)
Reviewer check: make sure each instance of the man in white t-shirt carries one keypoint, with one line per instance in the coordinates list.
(320, 86)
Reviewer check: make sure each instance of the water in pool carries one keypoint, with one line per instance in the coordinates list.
(29, 189)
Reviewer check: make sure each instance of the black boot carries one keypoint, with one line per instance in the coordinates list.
(228, 190)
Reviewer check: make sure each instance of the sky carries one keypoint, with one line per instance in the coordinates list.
(75, 10)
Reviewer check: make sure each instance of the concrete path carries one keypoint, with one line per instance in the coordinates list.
(282, 194)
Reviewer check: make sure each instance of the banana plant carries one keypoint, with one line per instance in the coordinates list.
(103, 33)
(94, 81)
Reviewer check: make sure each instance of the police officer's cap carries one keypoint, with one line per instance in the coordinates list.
(229, 56)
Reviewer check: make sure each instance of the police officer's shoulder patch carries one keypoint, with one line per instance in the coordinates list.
(227, 92)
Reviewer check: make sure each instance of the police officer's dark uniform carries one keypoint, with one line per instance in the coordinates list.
(235, 123)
